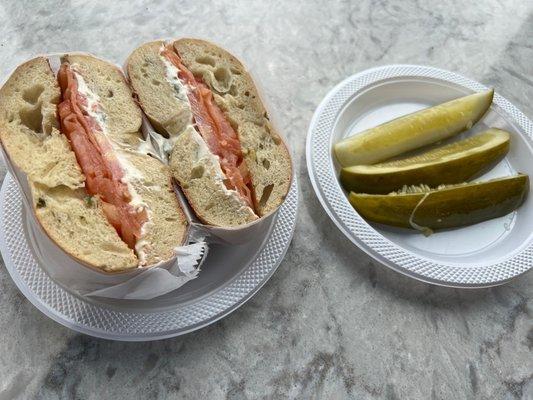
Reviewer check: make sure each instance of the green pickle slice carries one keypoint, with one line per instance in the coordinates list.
(413, 130)
(454, 163)
(448, 206)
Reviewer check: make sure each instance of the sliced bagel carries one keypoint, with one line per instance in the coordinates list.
(73, 219)
(164, 99)
(30, 136)
(195, 168)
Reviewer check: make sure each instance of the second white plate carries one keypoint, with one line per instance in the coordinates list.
(485, 254)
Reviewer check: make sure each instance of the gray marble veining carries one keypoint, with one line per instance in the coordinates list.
(331, 323)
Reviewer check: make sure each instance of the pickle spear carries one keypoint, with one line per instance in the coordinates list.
(454, 163)
(413, 130)
(446, 206)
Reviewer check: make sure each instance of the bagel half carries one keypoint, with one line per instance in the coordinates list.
(30, 132)
(165, 97)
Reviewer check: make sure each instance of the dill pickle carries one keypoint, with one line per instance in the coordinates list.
(447, 206)
(414, 130)
(454, 163)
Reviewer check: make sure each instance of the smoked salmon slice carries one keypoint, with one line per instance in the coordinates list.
(214, 128)
(103, 172)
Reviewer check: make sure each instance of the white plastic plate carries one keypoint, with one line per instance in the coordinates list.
(481, 255)
(229, 277)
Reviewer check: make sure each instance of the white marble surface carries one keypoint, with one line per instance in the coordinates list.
(331, 323)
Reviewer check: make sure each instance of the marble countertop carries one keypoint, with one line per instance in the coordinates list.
(331, 323)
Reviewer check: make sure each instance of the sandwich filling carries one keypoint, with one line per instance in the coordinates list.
(107, 174)
(215, 130)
